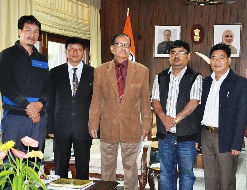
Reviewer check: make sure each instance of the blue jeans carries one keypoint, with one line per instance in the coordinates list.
(172, 154)
(15, 127)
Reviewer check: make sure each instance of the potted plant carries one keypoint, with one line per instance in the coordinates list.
(19, 171)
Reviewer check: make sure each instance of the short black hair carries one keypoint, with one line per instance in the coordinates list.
(75, 40)
(30, 19)
(221, 46)
(113, 40)
(179, 44)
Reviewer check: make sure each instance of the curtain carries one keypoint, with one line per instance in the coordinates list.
(95, 42)
(94, 3)
(64, 17)
(72, 18)
(10, 12)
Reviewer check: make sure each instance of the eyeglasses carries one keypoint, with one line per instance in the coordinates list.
(179, 52)
(122, 45)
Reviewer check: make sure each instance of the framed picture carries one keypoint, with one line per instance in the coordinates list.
(230, 35)
(164, 36)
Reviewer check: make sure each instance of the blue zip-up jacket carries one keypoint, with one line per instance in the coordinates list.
(23, 78)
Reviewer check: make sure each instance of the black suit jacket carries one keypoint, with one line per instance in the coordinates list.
(66, 114)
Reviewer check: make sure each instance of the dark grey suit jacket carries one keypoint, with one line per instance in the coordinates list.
(66, 114)
(232, 110)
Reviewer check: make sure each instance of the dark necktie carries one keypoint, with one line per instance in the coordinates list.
(120, 81)
(75, 81)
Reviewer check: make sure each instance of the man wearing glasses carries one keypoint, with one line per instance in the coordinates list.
(121, 106)
(175, 96)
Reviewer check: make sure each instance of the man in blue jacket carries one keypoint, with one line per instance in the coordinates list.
(224, 105)
(24, 75)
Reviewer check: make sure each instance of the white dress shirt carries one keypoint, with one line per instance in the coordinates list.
(78, 73)
(195, 92)
(211, 111)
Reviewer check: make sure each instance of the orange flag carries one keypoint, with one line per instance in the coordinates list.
(128, 30)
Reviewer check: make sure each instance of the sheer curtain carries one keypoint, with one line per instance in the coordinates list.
(72, 18)
(10, 12)
(95, 34)
(95, 42)
(64, 17)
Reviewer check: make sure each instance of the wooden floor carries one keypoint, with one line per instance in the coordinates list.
(199, 183)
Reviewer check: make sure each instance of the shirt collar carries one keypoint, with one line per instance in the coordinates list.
(222, 77)
(79, 66)
(181, 72)
(17, 43)
(125, 63)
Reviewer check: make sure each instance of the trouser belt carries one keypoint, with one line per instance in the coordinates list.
(211, 129)
(173, 134)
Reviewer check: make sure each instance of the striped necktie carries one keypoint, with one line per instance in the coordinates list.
(120, 81)
(75, 81)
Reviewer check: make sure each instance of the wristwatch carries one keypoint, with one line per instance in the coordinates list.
(176, 120)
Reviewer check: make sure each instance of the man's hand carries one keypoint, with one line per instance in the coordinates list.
(235, 152)
(33, 108)
(35, 118)
(93, 134)
(196, 145)
(167, 121)
(51, 135)
(144, 134)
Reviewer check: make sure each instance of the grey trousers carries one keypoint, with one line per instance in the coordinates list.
(219, 168)
(109, 153)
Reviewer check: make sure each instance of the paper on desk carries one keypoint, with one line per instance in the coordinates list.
(68, 183)
(67, 188)
(62, 188)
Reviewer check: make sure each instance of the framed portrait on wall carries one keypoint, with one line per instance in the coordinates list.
(164, 36)
(229, 35)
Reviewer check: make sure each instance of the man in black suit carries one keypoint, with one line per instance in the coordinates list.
(69, 109)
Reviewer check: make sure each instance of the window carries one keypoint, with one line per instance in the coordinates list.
(56, 54)
(53, 46)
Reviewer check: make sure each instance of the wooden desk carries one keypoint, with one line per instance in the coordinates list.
(104, 185)
(101, 185)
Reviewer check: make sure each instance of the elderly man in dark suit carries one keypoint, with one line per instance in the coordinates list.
(224, 117)
(69, 109)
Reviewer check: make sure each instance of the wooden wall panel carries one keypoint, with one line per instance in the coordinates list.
(145, 14)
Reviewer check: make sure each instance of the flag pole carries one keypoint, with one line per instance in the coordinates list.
(128, 30)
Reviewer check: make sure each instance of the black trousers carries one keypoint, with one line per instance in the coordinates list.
(62, 154)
